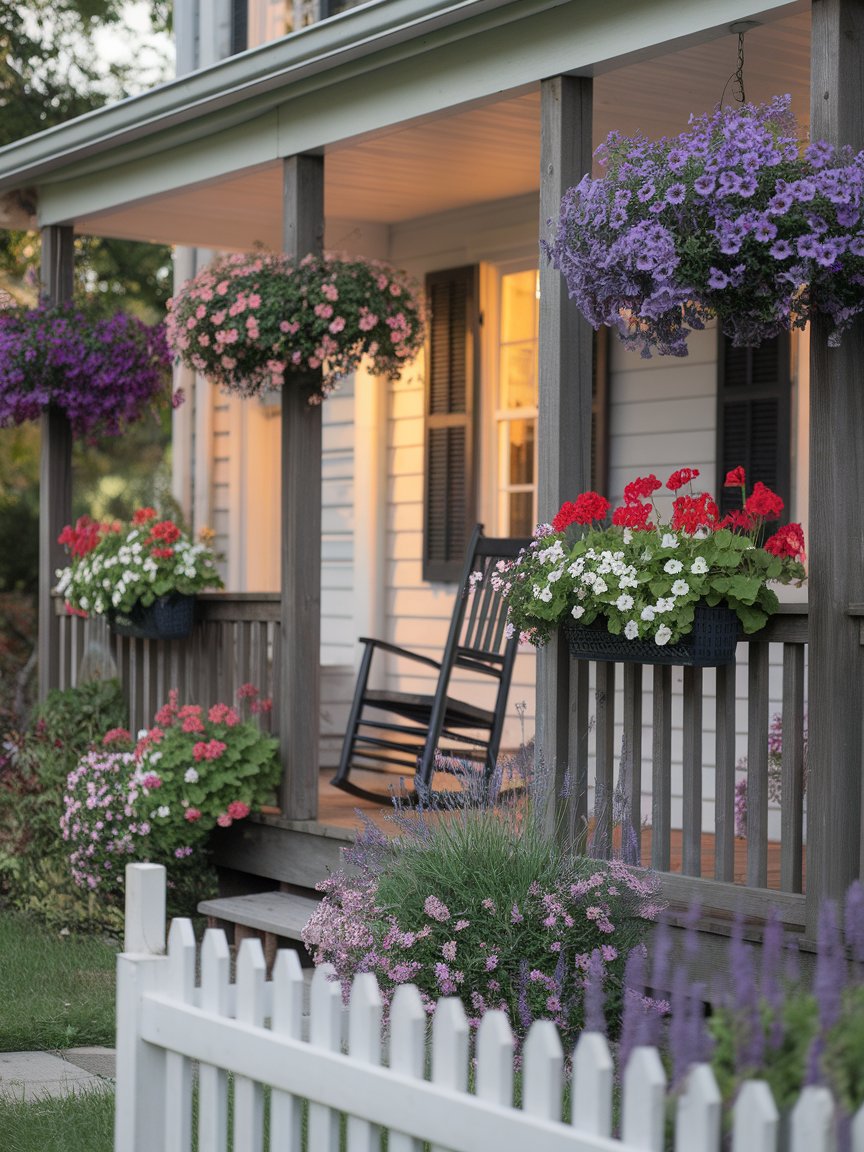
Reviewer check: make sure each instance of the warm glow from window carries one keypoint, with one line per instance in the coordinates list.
(516, 412)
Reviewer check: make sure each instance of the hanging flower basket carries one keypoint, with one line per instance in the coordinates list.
(711, 642)
(249, 322)
(102, 372)
(168, 617)
(728, 220)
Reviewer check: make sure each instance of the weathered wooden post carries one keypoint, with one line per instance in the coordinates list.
(836, 506)
(565, 376)
(55, 476)
(300, 659)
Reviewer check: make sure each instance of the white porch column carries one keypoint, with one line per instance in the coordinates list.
(565, 374)
(300, 662)
(836, 667)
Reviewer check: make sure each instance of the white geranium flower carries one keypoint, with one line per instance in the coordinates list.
(627, 536)
(670, 540)
(673, 567)
(556, 575)
(699, 566)
(577, 611)
(680, 588)
(664, 604)
(631, 630)
(191, 776)
(624, 602)
(163, 811)
(599, 586)
(647, 612)
(663, 634)
(544, 594)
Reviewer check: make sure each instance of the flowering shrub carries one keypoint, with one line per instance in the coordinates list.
(159, 797)
(103, 373)
(116, 566)
(486, 907)
(728, 220)
(644, 576)
(246, 321)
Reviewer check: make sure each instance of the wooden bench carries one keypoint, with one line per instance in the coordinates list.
(273, 916)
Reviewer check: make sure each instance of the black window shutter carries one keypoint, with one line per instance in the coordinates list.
(239, 26)
(451, 384)
(754, 417)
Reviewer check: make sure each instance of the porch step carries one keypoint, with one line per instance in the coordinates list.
(275, 913)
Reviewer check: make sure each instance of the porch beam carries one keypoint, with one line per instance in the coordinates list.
(55, 469)
(836, 681)
(300, 650)
(565, 374)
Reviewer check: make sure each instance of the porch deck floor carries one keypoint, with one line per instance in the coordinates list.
(338, 809)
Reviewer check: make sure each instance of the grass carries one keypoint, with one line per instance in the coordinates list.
(55, 991)
(79, 1123)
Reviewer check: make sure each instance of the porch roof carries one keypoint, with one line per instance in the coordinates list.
(367, 87)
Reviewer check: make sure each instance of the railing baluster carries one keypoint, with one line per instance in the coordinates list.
(631, 758)
(578, 741)
(604, 781)
(691, 862)
(724, 810)
(757, 766)
(661, 800)
(792, 770)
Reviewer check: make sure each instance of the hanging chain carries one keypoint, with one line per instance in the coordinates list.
(739, 72)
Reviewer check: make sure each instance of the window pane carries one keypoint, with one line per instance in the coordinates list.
(519, 306)
(521, 436)
(521, 513)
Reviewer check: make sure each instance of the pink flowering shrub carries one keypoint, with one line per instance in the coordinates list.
(485, 906)
(248, 321)
(160, 797)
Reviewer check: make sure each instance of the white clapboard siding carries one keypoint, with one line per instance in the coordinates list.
(253, 1030)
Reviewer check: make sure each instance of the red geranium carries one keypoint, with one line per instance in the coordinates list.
(764, 503)
(633, 515)
(737, 520)
(690, 513)
(787, 541)
(736, 478)
(680, 478)
(586, 508)
(641, 488)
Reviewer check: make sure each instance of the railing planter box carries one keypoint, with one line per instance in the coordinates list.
(169, 617)
(711, 643)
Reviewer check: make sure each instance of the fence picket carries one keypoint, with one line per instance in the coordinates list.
(248, 1095)
(325, 1031)
(449, 1048)
(286, 1111)
(755, 1119)
(495, 1059)
(541, 1071)
(591, 1094)
(697, 1117)
(180, 983)
(813, 1121)
(213, 1082)
(644, 1107)
(364, 1045)
(407, 1050)
(858, 1131)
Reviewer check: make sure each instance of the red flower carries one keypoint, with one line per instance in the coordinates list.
(192, 814)
(237, 810)
(787, 541)
(736, 478)
(166, 531)
(224, 820)
(690, 513)
(641, 488)
(737, 520)
(116, 734)
(587, 507)
(632, 515)
(162, 553)
(144, 515)
(680, 478)
(764, 503)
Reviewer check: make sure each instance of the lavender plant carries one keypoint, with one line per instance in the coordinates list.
(727, 220)
(485, 905)
(104, 373)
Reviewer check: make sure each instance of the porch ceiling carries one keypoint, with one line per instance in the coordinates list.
(482, 153)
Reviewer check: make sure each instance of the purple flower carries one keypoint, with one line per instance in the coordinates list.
(780, 250)
(436, 909)
(675, 193)
(819, 153)
(705, 185)
(764, 229)
(780, 204)
(717, 278)
(646, 192)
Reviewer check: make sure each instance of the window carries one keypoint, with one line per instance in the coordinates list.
(753, 416)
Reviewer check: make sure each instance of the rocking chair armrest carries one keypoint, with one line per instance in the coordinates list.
(397, 651)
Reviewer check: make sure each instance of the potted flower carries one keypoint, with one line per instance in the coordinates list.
(103, 372)
(248, 322)
(728, 220)
(142, 575)
(650, 590)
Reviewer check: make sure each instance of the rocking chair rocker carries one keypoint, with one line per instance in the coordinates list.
(398, 733)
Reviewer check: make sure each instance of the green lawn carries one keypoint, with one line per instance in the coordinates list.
(80, 1123)
(55, 991)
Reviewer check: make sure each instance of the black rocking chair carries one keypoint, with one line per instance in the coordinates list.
(398, 733)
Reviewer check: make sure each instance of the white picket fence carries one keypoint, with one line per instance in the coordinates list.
(254, 1029)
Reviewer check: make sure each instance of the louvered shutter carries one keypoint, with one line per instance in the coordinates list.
(753, 416)
(451, 383)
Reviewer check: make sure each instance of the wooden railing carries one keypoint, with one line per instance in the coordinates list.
(235, 642)
(712, 717)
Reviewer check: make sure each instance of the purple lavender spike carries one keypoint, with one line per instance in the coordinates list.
(772, 993)
(526, 1018)
(743, 999)
(830, 976)
(595, 996)
(679, 1026)
(632, 1017)
(813, 1071)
